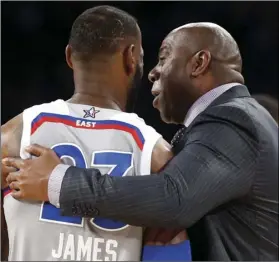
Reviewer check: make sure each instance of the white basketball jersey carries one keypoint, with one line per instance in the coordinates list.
(117, 143)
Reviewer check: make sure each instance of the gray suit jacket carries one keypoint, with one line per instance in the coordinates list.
(222, 186)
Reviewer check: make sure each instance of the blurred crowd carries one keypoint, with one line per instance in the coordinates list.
(34, 36)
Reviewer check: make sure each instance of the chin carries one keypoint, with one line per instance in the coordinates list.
(169, 119)
(165, 119)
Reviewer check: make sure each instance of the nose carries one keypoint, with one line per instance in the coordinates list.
(154, 75)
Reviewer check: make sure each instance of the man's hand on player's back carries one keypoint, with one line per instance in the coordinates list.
(31, 181)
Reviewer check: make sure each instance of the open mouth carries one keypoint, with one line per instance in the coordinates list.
(156, 90)
(155, 101)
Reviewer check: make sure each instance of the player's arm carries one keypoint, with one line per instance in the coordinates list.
(10, 143)
(161, 155)
(10, 146)
(160, 243)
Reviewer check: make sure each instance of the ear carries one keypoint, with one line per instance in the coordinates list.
(200, 62)
(129, 59)
(68, 53)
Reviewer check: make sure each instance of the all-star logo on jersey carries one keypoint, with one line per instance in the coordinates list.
(91, 112)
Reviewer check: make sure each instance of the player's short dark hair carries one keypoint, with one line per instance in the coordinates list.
(99, 30)
(269, 103)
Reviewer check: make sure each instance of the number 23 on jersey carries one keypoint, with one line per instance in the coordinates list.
(119, 163)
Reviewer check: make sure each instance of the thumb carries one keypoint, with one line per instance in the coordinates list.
(16, 194)
(36, 150)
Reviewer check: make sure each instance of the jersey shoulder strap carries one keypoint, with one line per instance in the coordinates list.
(56, 107)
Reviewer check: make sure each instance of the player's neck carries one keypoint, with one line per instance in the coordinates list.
(96, 87)
(94, 100)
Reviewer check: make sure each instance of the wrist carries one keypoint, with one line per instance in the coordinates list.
(54, 184)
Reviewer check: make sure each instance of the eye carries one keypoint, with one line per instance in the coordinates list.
(161, 60)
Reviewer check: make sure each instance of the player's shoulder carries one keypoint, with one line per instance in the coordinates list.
(10, 136)
(58, 106)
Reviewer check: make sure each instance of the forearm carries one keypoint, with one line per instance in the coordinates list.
(167, 199)
(85, 192)
(156, 198)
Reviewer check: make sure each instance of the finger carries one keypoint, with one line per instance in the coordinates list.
(149, 243)
(180, 237)
(36, 150)
(5, 172)
(12, 177)
(166, 235)
(16, 194)
(153, 243)
(150, 234)
(14, 185)
(13, 162)
(8, 169)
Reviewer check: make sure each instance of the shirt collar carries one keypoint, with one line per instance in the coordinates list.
(204, 101)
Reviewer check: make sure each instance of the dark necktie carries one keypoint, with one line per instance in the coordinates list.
(178, 140)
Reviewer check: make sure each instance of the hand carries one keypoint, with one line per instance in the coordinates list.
(5, 170)
(31, 181)
(161, 236)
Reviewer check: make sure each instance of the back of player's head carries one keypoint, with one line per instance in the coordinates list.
(105, 54)
(100, 31)
(269, 103)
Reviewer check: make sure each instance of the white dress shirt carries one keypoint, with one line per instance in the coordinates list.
(204, 101)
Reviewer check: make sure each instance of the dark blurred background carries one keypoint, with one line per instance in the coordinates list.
(34, 36)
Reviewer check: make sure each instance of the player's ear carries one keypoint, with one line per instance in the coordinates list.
(200, 62)
(129, 59)
(68, 53)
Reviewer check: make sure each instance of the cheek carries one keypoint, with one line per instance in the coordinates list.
(168, 79)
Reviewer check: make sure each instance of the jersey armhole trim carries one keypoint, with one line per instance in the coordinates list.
(26, 134)
(145, 164)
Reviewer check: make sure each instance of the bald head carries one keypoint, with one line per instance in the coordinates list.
(214, 38)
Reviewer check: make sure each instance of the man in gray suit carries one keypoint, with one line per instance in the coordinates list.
(222, 185)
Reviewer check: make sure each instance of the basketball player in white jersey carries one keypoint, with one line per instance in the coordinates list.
(88, 130)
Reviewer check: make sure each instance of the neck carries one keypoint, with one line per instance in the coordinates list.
(97, 89)
(226, 76)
